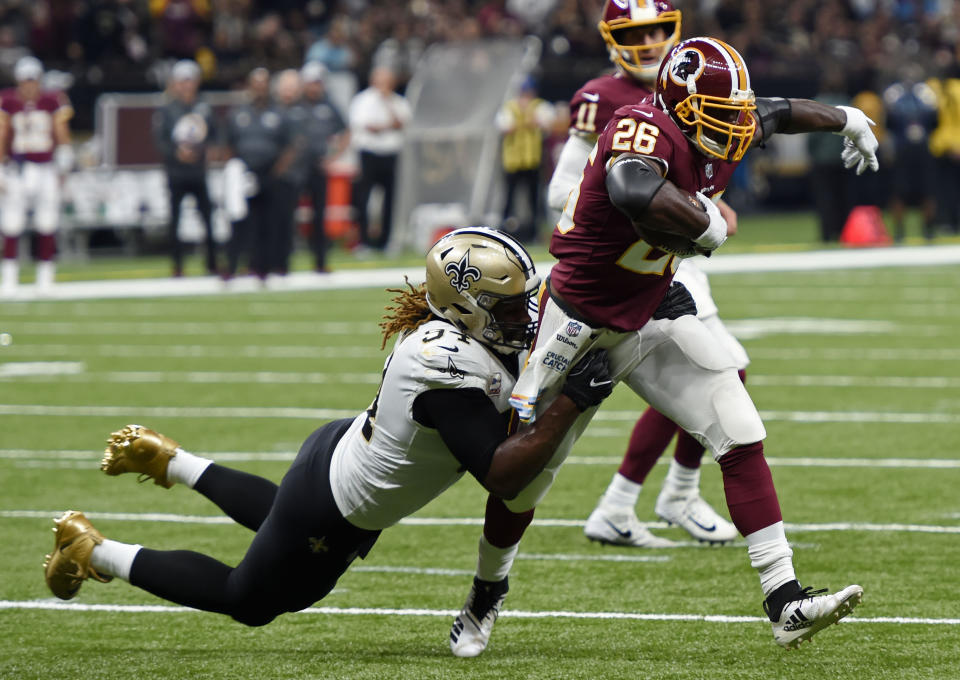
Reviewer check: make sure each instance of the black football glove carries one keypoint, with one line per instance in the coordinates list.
(676, 303)
(589, 382)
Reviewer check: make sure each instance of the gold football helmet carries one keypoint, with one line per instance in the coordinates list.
(483, 281)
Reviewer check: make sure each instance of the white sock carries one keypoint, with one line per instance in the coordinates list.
(45, 273)
(771, 556)
(622, 492)
(186, 468)
(9, 274)
(493, 563)
(681, 480)
(114, 558)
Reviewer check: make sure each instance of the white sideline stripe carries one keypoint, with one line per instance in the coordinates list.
(282, 456)
(328, 414)
(865, 258)
(50, 605)
(469, 521)
(67, 371)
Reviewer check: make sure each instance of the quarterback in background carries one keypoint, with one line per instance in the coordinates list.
(644, 202)
(639, 34)
(34, 151)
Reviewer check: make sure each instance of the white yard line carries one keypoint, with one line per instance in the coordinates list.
(322, 414)
(53, 605)
(72, 371)
(475, 521)
(181, 328)
(79, 455)
(38, 349)
(33, 349)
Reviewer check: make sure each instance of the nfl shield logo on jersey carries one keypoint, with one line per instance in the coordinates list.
(573, 329)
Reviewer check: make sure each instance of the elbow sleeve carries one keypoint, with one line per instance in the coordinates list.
(631, 184)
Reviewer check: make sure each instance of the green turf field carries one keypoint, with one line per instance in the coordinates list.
(856, 372)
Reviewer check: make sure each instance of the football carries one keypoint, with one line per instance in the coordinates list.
(675, 244)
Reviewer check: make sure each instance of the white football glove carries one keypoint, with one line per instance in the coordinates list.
(63, 157)
(860, 145)
(716, 232)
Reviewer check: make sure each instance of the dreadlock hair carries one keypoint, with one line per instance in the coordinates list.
(408, 312)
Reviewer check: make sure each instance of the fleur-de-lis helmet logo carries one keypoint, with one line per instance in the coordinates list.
(462, 273)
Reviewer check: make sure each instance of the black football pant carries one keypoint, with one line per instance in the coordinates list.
(530, 179)
(376, 170)
(179, 188)
(302, 545)
(254, 235)
(317, 184)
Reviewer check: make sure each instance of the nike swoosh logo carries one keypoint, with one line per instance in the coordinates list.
(594, 383)
(449, 349)
(591, 97)
(624, 534)
(709, 528)
(645, 114)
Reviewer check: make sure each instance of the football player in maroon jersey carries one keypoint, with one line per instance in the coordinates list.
(646, 200)
(639, 34)
(34, 150)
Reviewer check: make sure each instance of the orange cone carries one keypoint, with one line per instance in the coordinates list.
(865, 227)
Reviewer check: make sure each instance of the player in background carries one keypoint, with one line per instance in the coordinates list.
(34, 152)
(639, 35)
(644, 201)
(442, 409)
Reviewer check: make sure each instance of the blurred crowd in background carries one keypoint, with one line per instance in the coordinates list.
(895, 59)
(128, 45)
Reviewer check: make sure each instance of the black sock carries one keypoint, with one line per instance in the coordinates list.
(776, 600)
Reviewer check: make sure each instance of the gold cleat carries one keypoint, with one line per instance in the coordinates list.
(68, 566)
(138, 449)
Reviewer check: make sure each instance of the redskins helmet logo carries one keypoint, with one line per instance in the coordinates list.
(689, 62)
(462, 273)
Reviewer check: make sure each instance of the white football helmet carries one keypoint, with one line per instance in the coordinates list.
(484, 282)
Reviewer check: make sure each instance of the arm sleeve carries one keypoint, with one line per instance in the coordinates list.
(774, 115)
(632, 183)
(573, 157)
(468, 423)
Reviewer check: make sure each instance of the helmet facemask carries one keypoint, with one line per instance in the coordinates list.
(721, 127)
(631, 52)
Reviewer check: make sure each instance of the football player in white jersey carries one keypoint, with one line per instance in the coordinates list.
(442, 409)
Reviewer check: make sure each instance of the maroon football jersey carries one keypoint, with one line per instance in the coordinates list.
(604, 269)
(30, 124)
(593, 105)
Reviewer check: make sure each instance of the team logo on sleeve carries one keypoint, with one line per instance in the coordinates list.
(462, 273)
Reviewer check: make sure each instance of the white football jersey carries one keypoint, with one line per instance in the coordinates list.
(387, 465)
